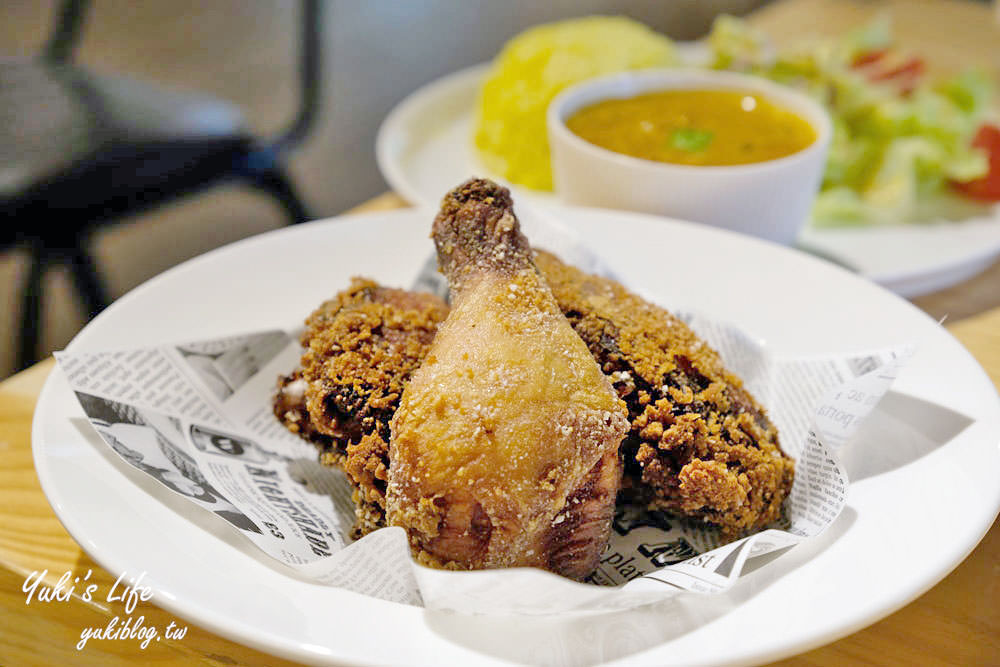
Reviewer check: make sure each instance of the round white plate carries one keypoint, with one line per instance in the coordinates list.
(923, 494)
(424, 147)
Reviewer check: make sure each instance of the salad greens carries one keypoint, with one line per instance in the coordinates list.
(898, 138)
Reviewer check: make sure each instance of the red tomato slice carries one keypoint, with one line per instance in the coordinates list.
(986, 188)
(891, 68)
(913, 67)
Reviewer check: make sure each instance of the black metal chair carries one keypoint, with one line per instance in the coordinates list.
(79, 151)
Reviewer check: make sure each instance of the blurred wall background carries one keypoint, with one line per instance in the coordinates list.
(375, 53)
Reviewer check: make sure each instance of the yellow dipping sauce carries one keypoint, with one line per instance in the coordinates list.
(696, 127)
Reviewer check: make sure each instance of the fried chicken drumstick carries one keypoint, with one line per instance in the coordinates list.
(504, 448)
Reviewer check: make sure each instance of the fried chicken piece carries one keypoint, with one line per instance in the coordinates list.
(700, 446)
(360, 349)
(504, 449)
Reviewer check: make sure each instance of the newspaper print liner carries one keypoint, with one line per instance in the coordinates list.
(197, 418)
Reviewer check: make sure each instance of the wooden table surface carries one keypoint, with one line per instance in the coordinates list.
(956, 622)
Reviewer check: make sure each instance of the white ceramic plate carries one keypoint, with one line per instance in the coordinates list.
(424, 147)
(924, 490)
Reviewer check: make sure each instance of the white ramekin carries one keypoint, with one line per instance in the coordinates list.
(769, 199)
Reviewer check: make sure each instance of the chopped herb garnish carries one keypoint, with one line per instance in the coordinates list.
(691, 139)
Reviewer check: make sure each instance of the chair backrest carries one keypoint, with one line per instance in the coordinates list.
(66, 33)
(310, 59)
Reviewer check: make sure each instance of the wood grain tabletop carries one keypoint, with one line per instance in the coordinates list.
(956, 623)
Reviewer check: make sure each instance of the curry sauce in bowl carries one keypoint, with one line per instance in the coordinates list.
(720, 148)
(694, 127)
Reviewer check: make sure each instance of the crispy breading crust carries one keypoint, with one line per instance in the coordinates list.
(700, 446)
(360, 348)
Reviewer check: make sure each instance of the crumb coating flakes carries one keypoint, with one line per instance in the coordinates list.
(699, 446)
(360, 348)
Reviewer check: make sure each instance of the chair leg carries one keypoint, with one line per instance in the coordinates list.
(276, 182)
(31, 311)
(88, 281)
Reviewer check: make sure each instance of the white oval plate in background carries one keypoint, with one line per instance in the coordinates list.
(925, 483)
(424, 147)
